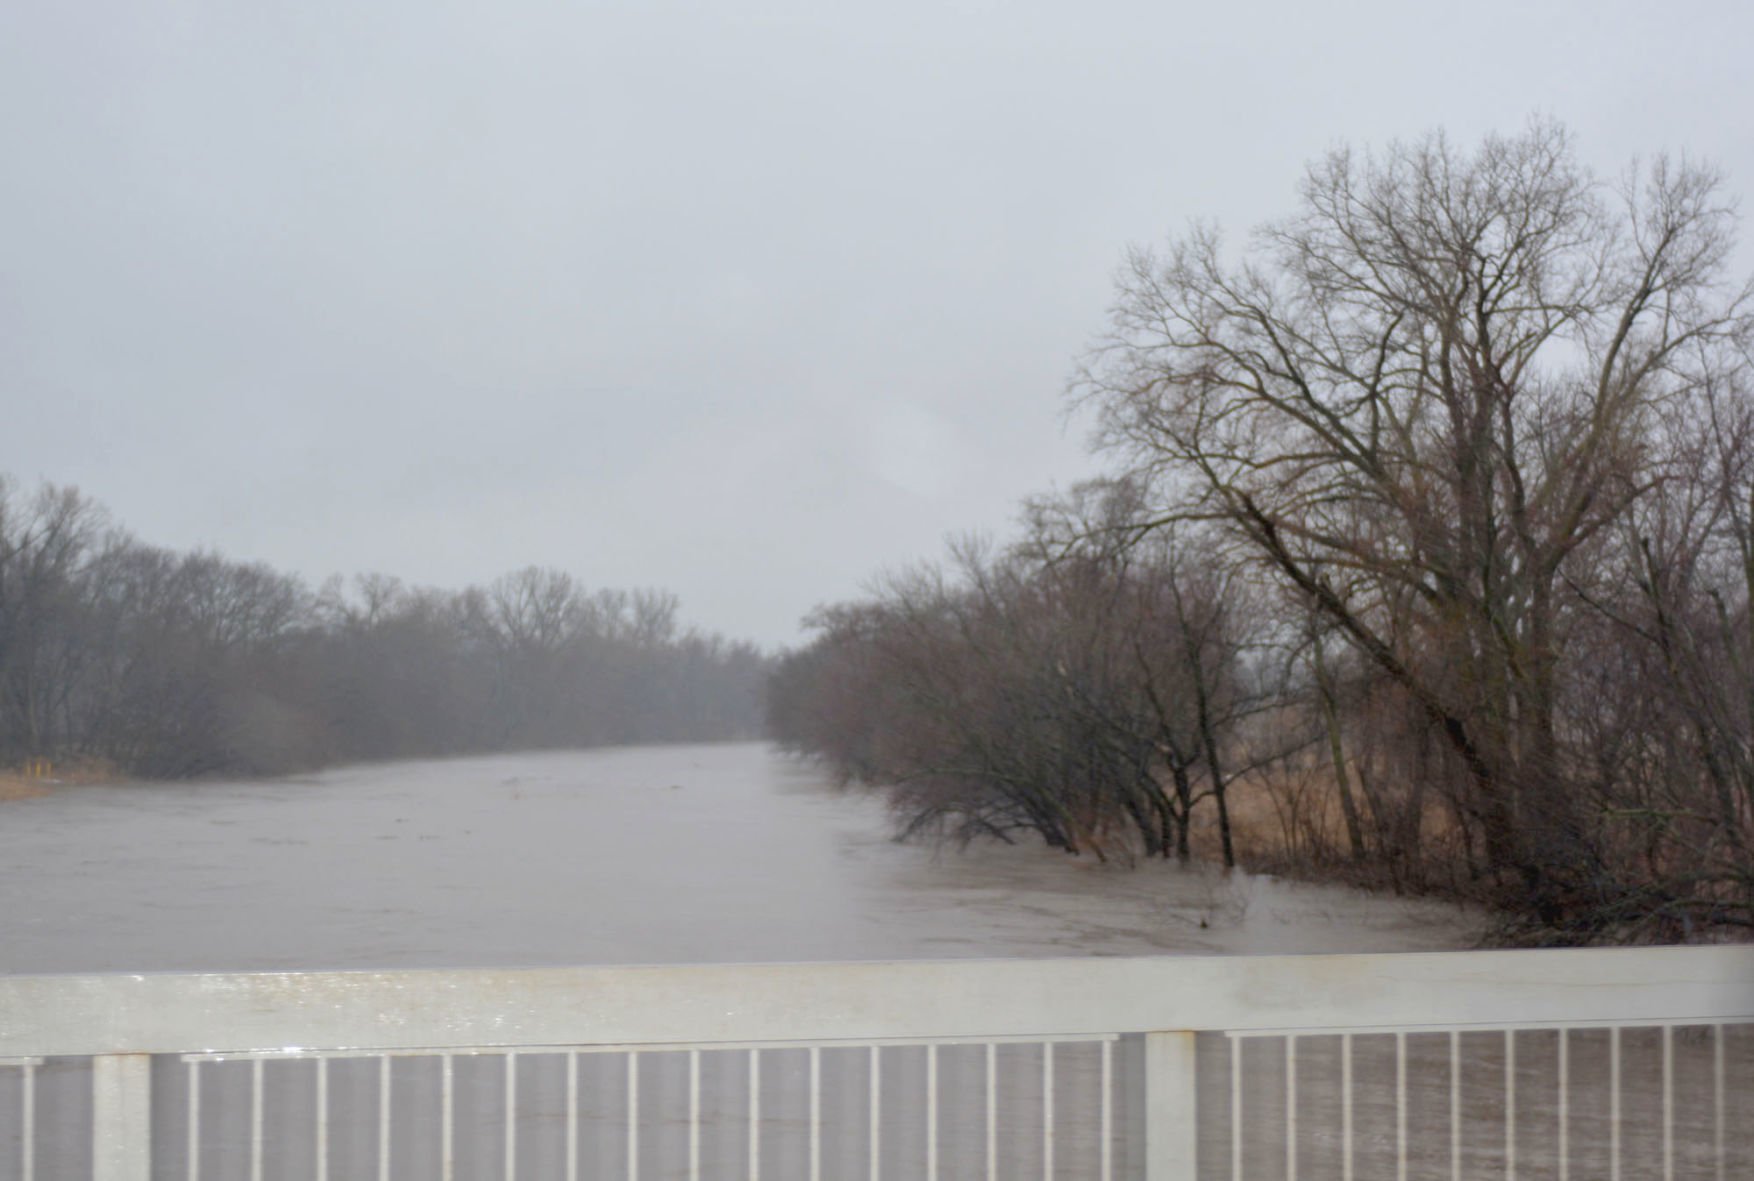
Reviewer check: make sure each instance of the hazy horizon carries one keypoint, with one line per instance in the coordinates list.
(744, 303)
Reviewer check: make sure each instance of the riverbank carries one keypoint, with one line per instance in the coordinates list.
(32, 782)
(17, 787)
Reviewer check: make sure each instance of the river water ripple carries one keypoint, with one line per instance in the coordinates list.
(674, 854)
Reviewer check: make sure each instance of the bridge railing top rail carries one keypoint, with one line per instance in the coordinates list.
(257, 1012)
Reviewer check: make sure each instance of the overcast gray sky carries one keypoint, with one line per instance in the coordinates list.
(745, 300)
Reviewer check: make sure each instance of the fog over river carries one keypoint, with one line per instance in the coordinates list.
(642, 855)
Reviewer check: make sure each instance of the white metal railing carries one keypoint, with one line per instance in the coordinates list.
(1443, 1064)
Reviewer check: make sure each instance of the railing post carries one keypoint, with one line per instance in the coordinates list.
(1170, 1139)
(121, 1117)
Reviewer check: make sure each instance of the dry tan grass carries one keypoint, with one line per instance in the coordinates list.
(1290, 820)
(17, 785)
(1288, 817)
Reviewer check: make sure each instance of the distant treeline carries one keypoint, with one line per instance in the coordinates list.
(171, 665)
(1430, 563)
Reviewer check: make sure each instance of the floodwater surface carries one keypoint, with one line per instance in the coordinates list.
(673, 854)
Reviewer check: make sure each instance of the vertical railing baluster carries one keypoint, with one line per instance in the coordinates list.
(815, 1113)
(257, 1115)
(1346, 1106)
(572, 1115)
(694, 1115)
(1717, 1097)
(1510, 1105)
(447, 1118)
(1108, 1120)
(876, 1113)
(931, 1113)
(1290, 1107)
(384, 1118)
(633, 1115)
(27, 1122)
(992, 1112)
(1564, 1105)
(1455, 1105)
(754, 1114)
(1170, 1146)
(1614, 1103)
(511, 1116)
(323, 1119)
(121, 1117)
(1047, 1111)
(1400, 1107)
(1668, 1103)
(194, 1147)
(1236, 1109)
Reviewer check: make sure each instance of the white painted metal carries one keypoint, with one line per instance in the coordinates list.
(256, 1017)
(511, 1117)
(383, 1120)
(1400, 1107)
(932, 1113)
(992, 1112)
(694, 1115)
(1169, 1106)
(1346, 1107)
(1614, 1104)
(1434, 1027)
(765, 1003)
(1107, 1108)
(1564, 1105)
(1717, 1096)
(815, 1113)
(572, 1117)
(754, 1114)
(194, 1118)
(1455, 1105)
(121, 1115)
(1291, 1107)
(305, 1053)
(257, 1098)
(1668, 1104)
(633, 1117)
(447, 1119)
(322, 1101)
(1510, 1105)
(1236, 1111)
(876, 1113)
(1047, 1111)
(27, 1122)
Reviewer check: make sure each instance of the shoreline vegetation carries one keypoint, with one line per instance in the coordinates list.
(122, 659)
(1427, 565)
(39, 777)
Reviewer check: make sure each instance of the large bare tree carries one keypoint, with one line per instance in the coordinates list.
(1432, 403)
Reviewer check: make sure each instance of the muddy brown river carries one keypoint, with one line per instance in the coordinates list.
(647, 855)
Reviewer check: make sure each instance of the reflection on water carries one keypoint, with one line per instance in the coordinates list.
(648, 855)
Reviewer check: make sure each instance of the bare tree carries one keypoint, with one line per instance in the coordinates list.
(1081, 685)
(1425, 403)
(45, 542)
(179, 665)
